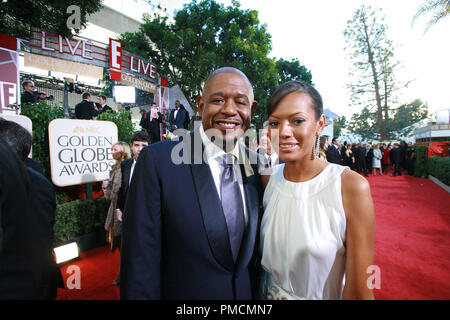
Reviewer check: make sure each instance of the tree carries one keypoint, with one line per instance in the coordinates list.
(18, 17)
(439, 8)
(373, 72)
(292, 70)
(407, 115)
(399, 125)
(338, 125)
(205, 36)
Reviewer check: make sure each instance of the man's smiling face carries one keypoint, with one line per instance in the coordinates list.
(227, 105)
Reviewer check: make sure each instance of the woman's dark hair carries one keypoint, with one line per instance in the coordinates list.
(299, 87)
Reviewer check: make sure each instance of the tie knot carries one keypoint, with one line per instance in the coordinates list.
(228, 159)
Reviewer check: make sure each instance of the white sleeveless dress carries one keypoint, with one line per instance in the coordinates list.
(303, 237)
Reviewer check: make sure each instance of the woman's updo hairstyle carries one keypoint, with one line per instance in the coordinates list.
(299, 87)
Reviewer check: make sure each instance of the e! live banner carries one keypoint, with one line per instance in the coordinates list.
(9, 74)
(80, 150)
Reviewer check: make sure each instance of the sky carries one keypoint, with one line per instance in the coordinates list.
(312, 32)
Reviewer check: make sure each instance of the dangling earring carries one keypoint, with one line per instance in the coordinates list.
(315, 149)
(317, 146)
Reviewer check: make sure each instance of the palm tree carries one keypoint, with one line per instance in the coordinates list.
(439, 8)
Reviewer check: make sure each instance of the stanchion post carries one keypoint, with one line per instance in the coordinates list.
(89, 191)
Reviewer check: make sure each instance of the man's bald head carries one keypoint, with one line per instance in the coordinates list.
(229, 70)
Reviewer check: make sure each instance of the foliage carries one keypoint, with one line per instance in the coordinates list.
(204, 36)
(406, 115)
(66, 221)
(398, 125)
(420, 165)
(101, 210)
(125, 127)
(18, 17)
(292, 70)
(338, 125)
(438, 8)
(439, 167)
(41, 114)
(373, 71)
(77, 218)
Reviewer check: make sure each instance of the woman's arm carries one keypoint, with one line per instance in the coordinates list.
(360, 235)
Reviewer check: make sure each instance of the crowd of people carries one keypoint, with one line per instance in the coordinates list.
(366, 158)
(291, 218)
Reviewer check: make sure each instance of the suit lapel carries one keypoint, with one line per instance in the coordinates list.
(210, 206)
(251, 200)
(126, 173)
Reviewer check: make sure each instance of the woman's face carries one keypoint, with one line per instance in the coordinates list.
(116, 152)
(293, 127)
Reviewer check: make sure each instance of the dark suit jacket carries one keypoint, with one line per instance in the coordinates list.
(333, 155)
(179, 121)
(31, 163)
(175, 241)
(125, 167)
(18, 268)
(153, 127)
(105, 108)
(28, 97)
(85, 110)
(43, 201)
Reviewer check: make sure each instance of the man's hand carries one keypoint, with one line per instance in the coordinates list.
(119, 215)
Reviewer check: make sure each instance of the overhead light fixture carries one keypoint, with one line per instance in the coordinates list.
(66, 252)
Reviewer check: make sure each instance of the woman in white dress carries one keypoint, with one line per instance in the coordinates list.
(376, 161)
(318, 227)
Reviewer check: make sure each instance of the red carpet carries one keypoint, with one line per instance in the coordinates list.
(412, 245)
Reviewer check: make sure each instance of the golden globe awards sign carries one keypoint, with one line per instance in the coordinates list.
(80, 150)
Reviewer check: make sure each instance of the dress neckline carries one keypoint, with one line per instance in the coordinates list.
(317, 177)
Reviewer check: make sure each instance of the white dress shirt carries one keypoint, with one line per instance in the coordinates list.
(214, 157)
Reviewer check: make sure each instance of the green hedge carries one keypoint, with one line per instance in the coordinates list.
(41, 114)
(439, 168)
(76, 218)
(420, 165)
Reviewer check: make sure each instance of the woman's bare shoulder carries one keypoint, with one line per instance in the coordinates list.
(353, 183)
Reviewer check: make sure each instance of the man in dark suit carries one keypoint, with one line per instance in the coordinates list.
(139, 140)
(86, 109)
(369, 158)
(29, 95)
(333, 152)
(177, 117)
(42, 202)
(395, 156)
(360, 159)
(191, 220)
(104, 107)
(17, 268)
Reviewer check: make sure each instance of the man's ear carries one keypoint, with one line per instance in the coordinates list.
(200, 104)
(253, 107)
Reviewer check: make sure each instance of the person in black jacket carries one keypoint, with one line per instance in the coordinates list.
(139, 140)
(360, 159)
(395, 156)
(334, 152)
(103, 106)
(369, 158)
(29, 95)
(154, 119)
(42, 205)
(86, 109)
